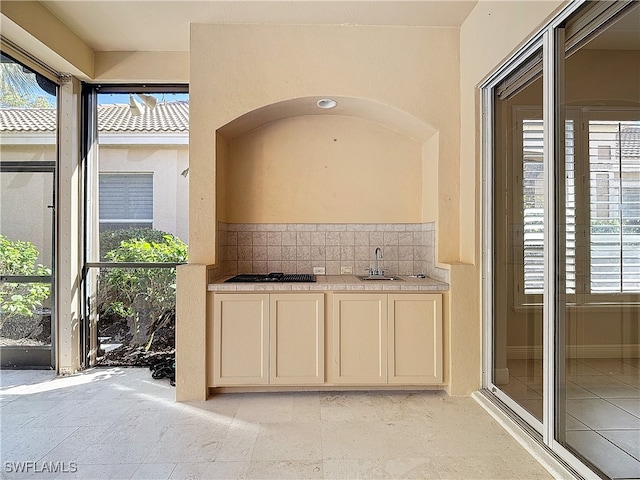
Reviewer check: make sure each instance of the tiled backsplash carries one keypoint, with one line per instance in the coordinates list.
(407, 248)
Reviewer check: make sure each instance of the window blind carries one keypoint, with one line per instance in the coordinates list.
(126, 198)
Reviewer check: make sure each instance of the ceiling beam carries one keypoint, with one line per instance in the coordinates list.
(31, 26)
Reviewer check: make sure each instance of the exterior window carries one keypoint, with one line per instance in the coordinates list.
(126, 200)
(614, 173)
(611, 196)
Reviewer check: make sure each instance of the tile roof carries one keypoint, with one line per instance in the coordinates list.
(27, 119)
(169, 117)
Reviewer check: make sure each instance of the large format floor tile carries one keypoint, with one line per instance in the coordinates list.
(120, 424)
(605, 455)
(602, 400)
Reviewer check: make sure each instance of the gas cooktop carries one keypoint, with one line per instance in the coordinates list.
(272, 277)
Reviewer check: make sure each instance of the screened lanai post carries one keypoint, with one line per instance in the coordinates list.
(90, 237)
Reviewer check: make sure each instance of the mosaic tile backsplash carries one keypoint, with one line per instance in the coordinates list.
(407, 248)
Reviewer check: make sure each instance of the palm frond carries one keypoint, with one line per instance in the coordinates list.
(20, 86)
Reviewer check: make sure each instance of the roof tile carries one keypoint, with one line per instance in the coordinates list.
(169, 117)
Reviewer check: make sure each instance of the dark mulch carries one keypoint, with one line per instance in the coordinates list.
(35, 330)
(140, 353)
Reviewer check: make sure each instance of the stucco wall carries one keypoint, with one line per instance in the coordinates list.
(323, 169)
(411, 69)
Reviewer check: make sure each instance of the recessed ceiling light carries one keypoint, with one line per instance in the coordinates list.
(326, 103)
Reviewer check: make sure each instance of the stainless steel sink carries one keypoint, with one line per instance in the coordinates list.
(379, 277)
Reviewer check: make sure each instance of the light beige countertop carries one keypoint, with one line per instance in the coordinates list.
(334, 282)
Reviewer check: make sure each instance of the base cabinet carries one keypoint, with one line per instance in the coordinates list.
(415, 339)
(359, 339)
(296, 329)
(279, 339)
(387, 339)
(241, 339)
(268, 338)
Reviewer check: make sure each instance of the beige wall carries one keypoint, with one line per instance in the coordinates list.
(603, 78)
(237, 69)
(492, 31)
(34, 28)
(399, 67)
(324, 169)
(151, 67)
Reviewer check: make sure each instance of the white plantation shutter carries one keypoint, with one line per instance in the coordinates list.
(126, 200)
(533, 206)
(570, 207)
(614, 190)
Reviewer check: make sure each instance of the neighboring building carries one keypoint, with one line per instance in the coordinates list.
(143, 166)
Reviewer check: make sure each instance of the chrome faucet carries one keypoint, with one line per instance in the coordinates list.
(377, 255)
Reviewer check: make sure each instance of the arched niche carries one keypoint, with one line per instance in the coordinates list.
(360, 162)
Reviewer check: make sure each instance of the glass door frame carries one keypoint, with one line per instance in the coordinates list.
(488, 111)
(35, 356)
(552, 40)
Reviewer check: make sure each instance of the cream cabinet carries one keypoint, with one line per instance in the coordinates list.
(359, 338)
(241, 339)
(268, 338)
(414, 338)
(279, 339)
(387, 339)
(296, 330)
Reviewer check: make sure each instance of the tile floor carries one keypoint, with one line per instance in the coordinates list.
(602, 407)
(119, 423)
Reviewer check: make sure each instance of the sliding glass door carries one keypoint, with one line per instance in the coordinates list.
(518, 232)
(562, 236)
(598, 408)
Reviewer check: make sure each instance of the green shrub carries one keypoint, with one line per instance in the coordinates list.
(21, 299)
(111, 239)
(141, 293)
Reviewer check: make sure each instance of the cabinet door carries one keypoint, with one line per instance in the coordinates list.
(296, 329)
(359, 338)
(415, 338)
(241, 336)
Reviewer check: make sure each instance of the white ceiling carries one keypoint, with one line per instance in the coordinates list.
(147, 25)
